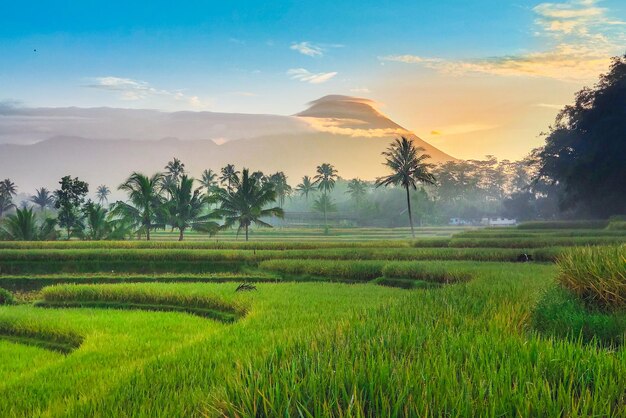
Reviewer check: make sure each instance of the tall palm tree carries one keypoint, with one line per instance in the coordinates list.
(325, 178)
(7, 191)
(42, 198)
(324, 204)
(209, 180)
(325, 181)
(305, 187)
(23, 226)
(186, 209)
(145, 199)
(175, 169)
(102, 193)
(357, 189)
(282, 188)
(8, 187)
(229, 177)
(246, 204)
(409, 168)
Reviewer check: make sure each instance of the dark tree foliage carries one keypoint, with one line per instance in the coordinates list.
(68, 200)
(585, 150)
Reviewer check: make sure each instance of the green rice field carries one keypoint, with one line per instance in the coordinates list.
(353, 323)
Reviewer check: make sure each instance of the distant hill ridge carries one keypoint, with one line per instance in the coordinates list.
(104, 145)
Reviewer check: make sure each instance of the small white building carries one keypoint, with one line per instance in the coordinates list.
(459, 221)
(498, 221)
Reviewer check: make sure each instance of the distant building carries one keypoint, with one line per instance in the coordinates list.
(498, 221)
(459, 222)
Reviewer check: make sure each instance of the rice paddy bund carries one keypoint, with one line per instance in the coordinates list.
(354, 323)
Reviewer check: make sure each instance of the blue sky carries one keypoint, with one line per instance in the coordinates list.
(422, 60)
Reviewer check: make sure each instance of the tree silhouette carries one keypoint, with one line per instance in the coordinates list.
(23, 226)
(282, 188)
(306, 187)
(409, 168)
(229, 177)
(102, 194)
(357, 189)
(68, 199)
(325, 181)
(175, 169)
(42, 198)
(7, 191)
(144, 196)
(186, 209)
(246, 204)
(584, 151)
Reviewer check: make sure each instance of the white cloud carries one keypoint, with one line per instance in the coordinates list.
(409, 59)
(580, 39)
(309, 77)
(307, 48)
(360, 90)
(550, 106)
(133, 90)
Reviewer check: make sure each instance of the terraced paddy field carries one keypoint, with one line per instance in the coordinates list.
(446, 324)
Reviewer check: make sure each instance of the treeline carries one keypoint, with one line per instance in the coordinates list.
(230, 198)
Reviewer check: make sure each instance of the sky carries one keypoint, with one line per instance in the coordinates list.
(470, 77)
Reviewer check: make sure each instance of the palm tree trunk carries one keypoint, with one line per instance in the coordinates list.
(408, 203)
(246, 232)
(181, 235)
(148, 233)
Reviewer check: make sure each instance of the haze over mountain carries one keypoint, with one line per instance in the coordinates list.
(104, 145)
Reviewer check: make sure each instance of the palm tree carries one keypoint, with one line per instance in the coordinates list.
(324, 204)
(186, 209)
(102, 193)
(97, 225)
(409, 168)
(145, 199)
(8, 187)
(229, 177)
(175, 169)
(7, 191)
(305, 187)
(209, 180)
(357, 189)
(325, 177)
(42, 198)
(325, 181)
(282, 188)
(245, 204)
(23, 226)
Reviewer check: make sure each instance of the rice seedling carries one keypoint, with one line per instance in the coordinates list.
(136, 296)
(582, 224)
(596, 275)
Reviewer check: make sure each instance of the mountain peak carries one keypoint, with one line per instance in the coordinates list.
(349, 112)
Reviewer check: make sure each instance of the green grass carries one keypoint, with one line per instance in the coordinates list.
(137, 295)
(596, 275)
(562, 314)
(584, 224)
(397, 341)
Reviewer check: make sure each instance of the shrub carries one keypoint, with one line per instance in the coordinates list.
(6, 298)
(561, 314)
(596, 275)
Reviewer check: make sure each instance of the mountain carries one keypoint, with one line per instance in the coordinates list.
(103, 146)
